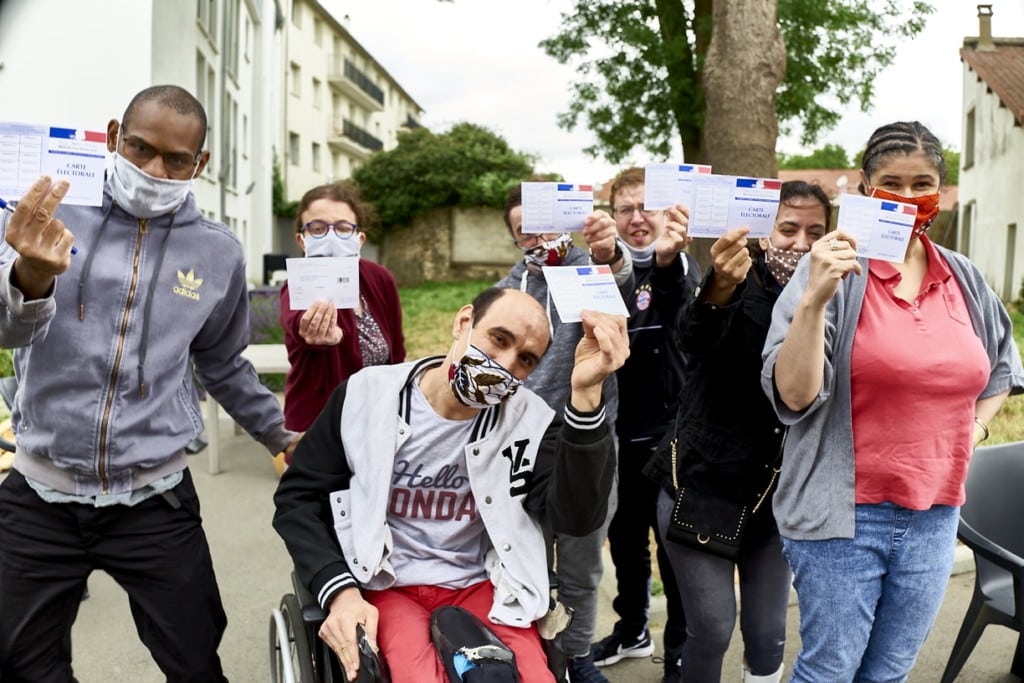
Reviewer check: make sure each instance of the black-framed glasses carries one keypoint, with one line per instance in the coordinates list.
(179, 164)
(342, 229)
(627, 211)
(531, 240)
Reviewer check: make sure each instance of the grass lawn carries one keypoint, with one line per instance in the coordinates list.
(428, 311)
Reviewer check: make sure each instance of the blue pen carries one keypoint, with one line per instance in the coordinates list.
(7, 207)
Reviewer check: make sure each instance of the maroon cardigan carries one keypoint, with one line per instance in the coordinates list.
(317, 370)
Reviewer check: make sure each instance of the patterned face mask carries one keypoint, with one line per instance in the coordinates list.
(479, 381)
(782, 262)
(549, 253)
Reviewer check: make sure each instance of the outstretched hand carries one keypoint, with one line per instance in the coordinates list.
(600, 234)
(318, 326)
(347, 609)
(731, 261)
(675, 237)
(602, 350)
(42, 242)
(833, 257)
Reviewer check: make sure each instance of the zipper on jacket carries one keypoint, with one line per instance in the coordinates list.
(115, 370)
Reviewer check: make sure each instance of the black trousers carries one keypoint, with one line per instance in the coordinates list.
(156, 551)
(629, 541)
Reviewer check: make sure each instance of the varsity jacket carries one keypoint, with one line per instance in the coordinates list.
(816, 495)
(522, 461)
(106, 399)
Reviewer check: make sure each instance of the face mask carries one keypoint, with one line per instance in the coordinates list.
(478, 381)
(549, 253)
(927, 208)
(331, 245)
(641, 256)
(143, 195)
(782, 262)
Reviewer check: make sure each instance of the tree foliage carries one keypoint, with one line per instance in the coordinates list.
(829, 156)
(466, 166)
(641, 62)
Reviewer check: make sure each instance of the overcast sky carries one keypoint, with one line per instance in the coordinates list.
(478, 61)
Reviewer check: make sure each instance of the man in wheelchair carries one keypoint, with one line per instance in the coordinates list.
(421, 485)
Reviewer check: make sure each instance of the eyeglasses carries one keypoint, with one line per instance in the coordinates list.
(627, 211)
(178, 164)
(532, 240)
(342, 229)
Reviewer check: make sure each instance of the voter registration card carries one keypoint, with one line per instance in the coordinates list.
(556, 207)
(666, 185)
(323, 278)
(725, 202)
(881, 227)
(578, 288)
(76, 155)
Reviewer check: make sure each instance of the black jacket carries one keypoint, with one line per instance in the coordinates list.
(652, 376)
(729, 436)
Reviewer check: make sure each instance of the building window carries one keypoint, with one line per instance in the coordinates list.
(297, 14)
(316, 157)
(318, 32)
(206, 17)
(293, 149)
(965, 246)
(248, 38)
(968, 156)
(205, 93)
(231, 23)
(317, 93)
(296, 74)
(245, 136)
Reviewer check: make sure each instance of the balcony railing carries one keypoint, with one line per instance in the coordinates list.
(352, 72)
(360, 136)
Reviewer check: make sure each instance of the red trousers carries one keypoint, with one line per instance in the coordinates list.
(403, 632)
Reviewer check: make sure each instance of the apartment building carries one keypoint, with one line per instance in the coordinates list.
(339, 104)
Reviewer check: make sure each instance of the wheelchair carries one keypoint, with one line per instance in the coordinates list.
(298, 655)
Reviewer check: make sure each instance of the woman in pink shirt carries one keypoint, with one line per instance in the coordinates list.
(888, 374)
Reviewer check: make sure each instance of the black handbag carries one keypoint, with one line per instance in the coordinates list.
(708, 522)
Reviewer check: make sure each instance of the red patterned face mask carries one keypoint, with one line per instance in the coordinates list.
(927, 207)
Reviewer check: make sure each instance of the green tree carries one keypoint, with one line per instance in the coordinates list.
(466, 166)
(641, 66)
(952, 158)
(829, 156)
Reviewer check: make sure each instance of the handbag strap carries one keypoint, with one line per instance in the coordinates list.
(776, 465)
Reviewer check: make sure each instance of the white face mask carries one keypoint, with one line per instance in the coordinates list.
(331, 245)
(143, 195)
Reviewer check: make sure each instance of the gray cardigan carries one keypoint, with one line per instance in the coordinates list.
(815, 499)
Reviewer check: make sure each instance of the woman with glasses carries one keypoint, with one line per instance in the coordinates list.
(326, 344)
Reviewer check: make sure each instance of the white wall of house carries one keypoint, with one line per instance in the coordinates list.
(104, 51)
(991, 182)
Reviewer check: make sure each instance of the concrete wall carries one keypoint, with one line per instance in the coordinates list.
(990, 189)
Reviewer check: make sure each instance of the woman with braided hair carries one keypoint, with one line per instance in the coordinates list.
(887, 375)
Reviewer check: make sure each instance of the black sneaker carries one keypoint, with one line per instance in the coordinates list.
(673, 667)
(582, 670)
(618, 646)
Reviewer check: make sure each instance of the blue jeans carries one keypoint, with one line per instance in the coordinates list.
(868, 603)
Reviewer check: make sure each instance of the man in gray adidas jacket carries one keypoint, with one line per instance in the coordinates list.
(105, 344)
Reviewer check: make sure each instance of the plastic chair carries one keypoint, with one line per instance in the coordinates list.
(990, 525)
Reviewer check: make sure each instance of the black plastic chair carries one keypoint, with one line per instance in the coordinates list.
(991, 525)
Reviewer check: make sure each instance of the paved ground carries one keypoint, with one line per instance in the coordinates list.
(253, 571)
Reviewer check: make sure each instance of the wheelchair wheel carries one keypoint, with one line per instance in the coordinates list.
(291, 660)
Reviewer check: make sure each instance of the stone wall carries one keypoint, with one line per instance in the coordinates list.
(450, 245)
